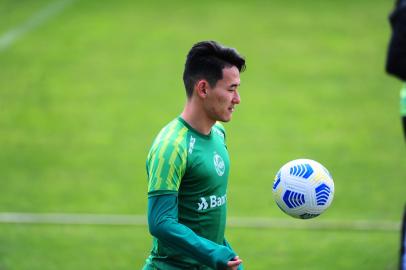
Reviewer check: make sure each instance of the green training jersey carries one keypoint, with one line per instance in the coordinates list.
(195, 167)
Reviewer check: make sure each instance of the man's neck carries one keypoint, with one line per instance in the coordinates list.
(197, 119)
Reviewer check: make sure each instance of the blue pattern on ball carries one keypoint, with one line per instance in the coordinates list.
(322, 194)
(293, 199)
(301, 170)
(277, 180)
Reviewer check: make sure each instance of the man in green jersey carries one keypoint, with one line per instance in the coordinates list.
(188, 167)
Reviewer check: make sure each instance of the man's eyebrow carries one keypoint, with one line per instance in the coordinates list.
(235, 85)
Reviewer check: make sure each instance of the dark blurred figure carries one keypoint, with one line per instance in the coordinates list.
(396, 66)
(402, 264)
(396, 59)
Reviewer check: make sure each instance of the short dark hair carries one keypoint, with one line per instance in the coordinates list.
(206, 60)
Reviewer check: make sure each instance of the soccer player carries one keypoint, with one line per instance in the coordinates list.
(188, 167)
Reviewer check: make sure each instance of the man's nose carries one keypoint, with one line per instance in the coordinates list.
(236, 98)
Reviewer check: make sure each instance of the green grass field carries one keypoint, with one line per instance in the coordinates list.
(83, 95)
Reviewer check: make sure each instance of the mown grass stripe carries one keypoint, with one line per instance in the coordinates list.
(236, 222)
(40, 17)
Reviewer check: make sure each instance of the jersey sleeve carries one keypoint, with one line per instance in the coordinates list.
(163, 224)
(166, 165)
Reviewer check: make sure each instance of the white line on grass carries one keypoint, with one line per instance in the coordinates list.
(44, 14)
(236, 222)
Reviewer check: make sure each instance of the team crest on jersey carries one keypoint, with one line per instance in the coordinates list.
(219, 164)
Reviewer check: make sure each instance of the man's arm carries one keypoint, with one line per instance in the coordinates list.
(163, 224)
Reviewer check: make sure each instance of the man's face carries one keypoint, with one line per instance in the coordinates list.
(223, 97)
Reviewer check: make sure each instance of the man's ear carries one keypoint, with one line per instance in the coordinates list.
(201, 88)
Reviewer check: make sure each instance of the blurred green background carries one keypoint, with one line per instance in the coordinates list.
(83, 94)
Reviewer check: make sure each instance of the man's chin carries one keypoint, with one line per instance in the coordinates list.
(225, 119)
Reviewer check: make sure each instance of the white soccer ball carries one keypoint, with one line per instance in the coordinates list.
(303, 188)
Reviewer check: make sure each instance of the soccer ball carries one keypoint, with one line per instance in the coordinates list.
(303, 188)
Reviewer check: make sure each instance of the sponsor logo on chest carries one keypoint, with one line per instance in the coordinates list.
(213, 201)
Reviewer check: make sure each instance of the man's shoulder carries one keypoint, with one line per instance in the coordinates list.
(173, 130)
(171, 135)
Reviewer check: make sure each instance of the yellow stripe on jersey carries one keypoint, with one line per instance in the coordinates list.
(158, 175)
(167, 167)
(175, 152)
(165, 144)
(183, 168)
(156, 150)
